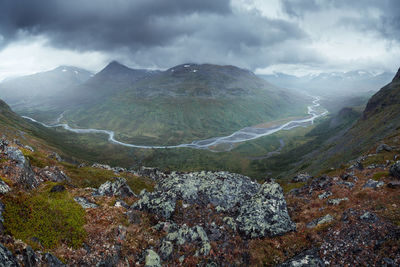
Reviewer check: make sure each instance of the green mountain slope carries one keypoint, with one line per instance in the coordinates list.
(188, 102)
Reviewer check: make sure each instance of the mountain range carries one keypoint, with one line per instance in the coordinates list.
(333, 84)
(184, 103)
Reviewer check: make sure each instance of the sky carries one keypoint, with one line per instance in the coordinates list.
(290, 36)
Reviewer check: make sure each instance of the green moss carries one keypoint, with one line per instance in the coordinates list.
(289, 186)
(379, 175)
(52, 218)
(137, 184)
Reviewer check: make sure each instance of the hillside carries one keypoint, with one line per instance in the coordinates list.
(39, 91)
(186, 103)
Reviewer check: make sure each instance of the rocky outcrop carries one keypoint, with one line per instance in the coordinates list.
(265, 214)
(258, 210)
(7, 258)
(23, 171)
(116, 188)
(54, 174)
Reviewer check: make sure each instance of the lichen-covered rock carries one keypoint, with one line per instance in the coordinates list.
(152, 259)
(166, 249)
(86, 204)
(7, 258)
(102, 166)
(116, 188)
(265, 214)
(373, 184)
(395, 169)
(55, 156)
(54, 174)
(222, 189)
(309, 258)
(184, 234)
(29, 258)
(23, 172)
(160, 203)
(4, 188)
(149, 172)
(325, 219)
(369, 217)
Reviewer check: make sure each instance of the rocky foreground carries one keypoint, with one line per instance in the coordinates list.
(55, 213)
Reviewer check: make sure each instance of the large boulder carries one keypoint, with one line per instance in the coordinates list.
(116, 188)
(395, 169)
(265, 214)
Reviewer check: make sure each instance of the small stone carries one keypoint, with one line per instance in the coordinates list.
(55, 156)
(383, 147)
(134, 216)
(309, 258)
(394, 184)
(86, 204)
(336, 201)
(152, 259)
(121, 203)
(373, 184)
(4, 188)
(326, 219)
(57, 188)
(324, 195)
(302, 177)
(369, 217)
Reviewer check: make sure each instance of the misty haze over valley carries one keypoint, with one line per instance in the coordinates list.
(199, 133)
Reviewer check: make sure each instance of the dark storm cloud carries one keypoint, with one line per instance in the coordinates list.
(386, 23)
(102, 24)
(154, 32)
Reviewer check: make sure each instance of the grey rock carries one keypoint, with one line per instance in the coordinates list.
(265, 214)
(395, 169)
(388, 262)
(121, 203)
(118, 169)
(29, 148)
(55, 156)
(2, 209)
(57, 188)
(7, 259)
(53, 261)
(102, 166)
(222, 189)
(337, 201)
(325, 219)
(394, 184)
(369, 217)
(54, 174)
(383, 147)
(166, 250)
(29, 257)
(302, 177)
(309, 258)
(25, 174)
(86, 204)
(373, 184)
(325, 194)
(4, 188)
(116, 188)
(152, 259)
(150, 172)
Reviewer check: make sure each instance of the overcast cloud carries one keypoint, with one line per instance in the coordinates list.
(289, 36)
